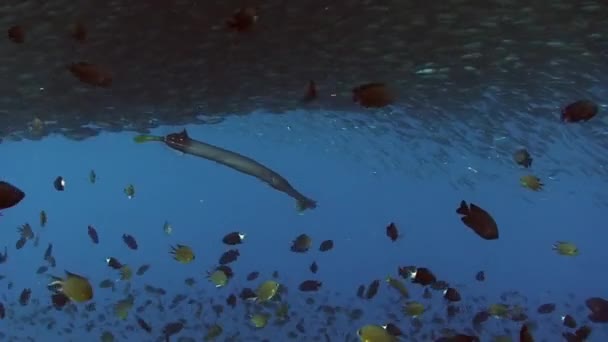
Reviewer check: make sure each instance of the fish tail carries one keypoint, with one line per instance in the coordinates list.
(463, 209)
(304, 204)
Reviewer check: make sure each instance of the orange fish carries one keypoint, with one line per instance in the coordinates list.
(91, 74)
(478, 220)
(243, 19)
(373, 95)
(16, 34)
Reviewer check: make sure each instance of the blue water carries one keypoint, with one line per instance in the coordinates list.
(362, 178)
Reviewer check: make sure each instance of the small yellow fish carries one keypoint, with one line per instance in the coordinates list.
(499, 310)
(218, 278)
(259, 320)
(531, 182)
(375, 333)
(565, 248)
(76, 288)
(413, 309)
(266, 291)
(182, 254)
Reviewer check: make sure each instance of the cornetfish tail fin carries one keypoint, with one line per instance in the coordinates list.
(304, 204)
(145, 138)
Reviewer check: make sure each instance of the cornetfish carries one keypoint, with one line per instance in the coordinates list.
(183, 143)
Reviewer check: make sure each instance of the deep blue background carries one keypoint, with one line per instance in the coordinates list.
(362, 177)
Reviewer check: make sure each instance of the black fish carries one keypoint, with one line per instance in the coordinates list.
(392, 232)
(129, 240)
(93, 234)
(247, 293)
(114, 263)
(310, 285)
(231, 300)
(229, 257)
(20, 243)
(10, 195)
(48, 252)
(24, 297)
(4, 257)
(253, 276)
(314, 267)
(326, 245)
(172, 328)
(142, 324)
(234, 238)
(59, 184)
(372, 289)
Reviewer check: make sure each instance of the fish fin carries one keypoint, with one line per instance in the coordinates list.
(463, 209)
(306, 203)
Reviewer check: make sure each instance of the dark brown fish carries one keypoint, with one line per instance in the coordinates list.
(326, 245)
(452, 295)
(253, 276)
(142, 269)
(91, 74)
(229, 257)
(4, 256)
(10, 195)
(247, 293)
(24, 297)
(599, 309)
(242, 20)
(130, 241)
(361, 291)
(546, 308)
(581, 110)
(143, 324)
(478, 220)
(231, 300)
(311, 92)
(580, 335)
(114, 263)
(423, 276)
(569, 321)
(79, 33)
(373, 95)
(20, 243)
(480, 276)
(93, 234)
(393, 330)
(234, 238)
(16, 34)
(172, 328)
(372, 289)
(525, 335)
(392, 232)
(310, 285)
(59, 300)
(314, 267)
